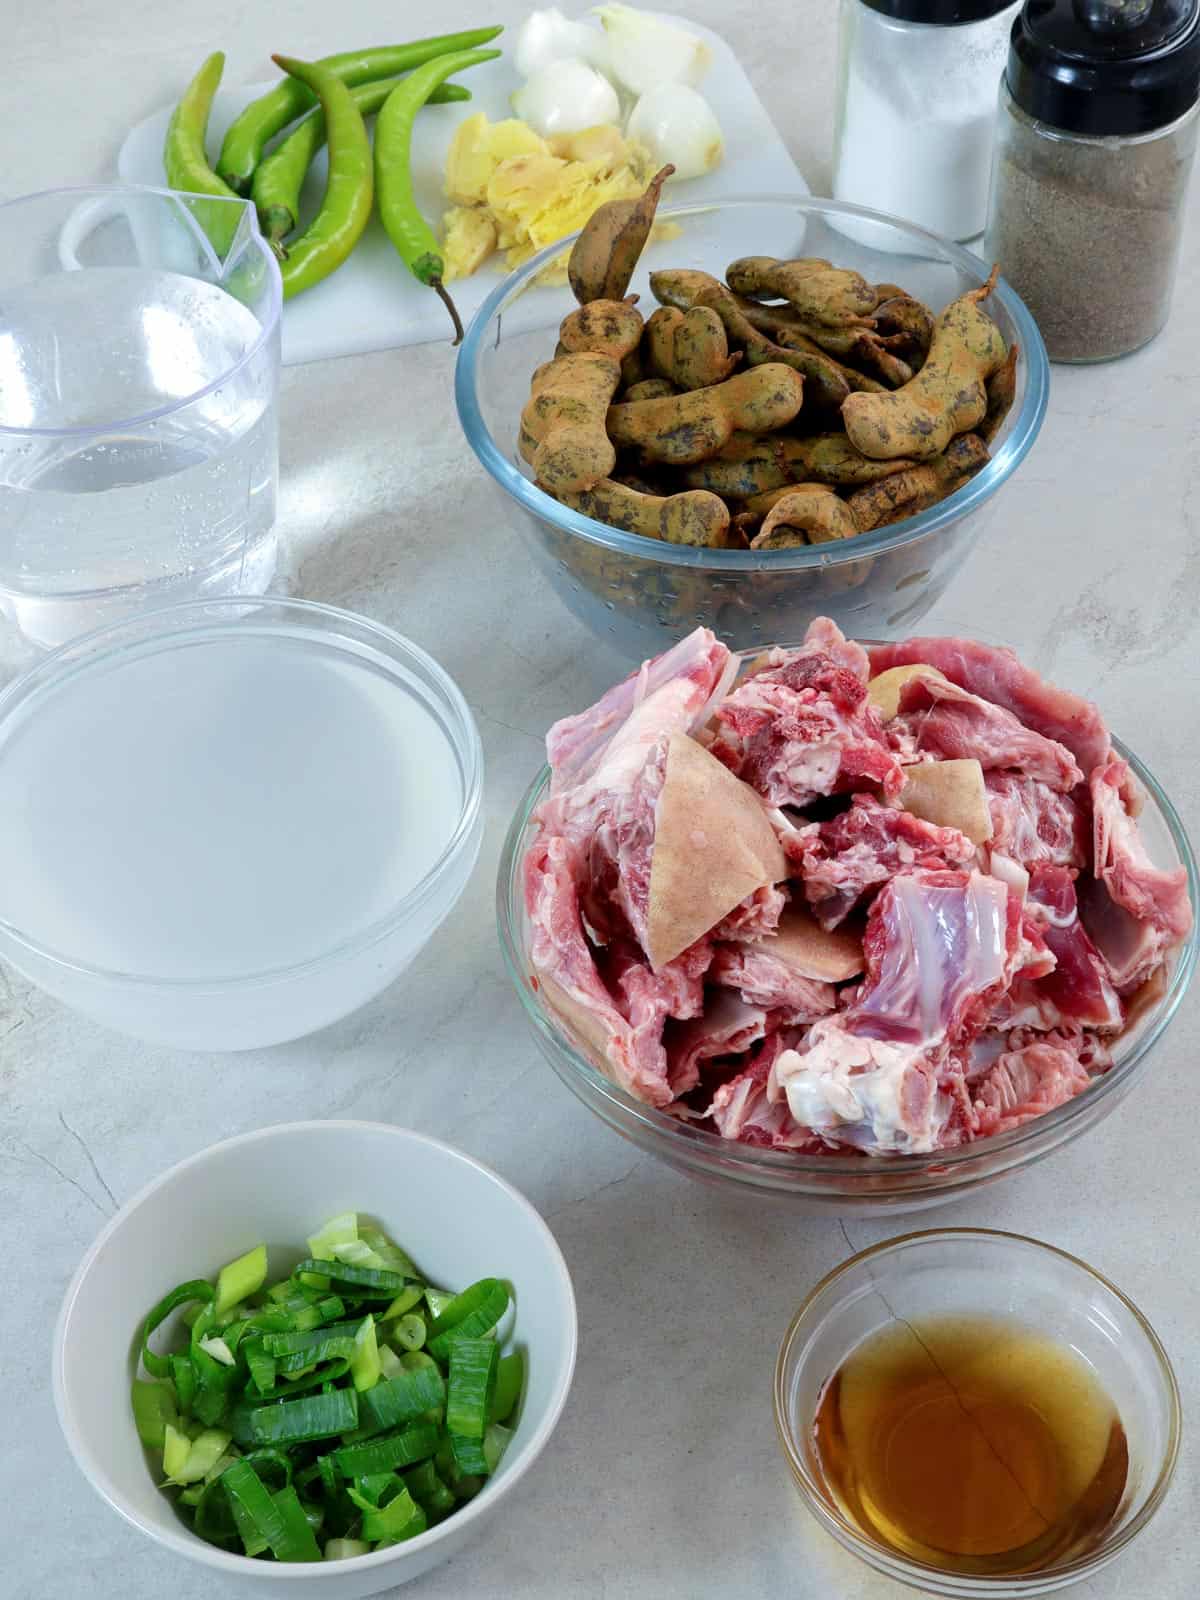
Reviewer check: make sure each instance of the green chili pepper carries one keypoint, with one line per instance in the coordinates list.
(406, 227)
(185, 160)
(265, 117)
(346, 206)
(279, 177)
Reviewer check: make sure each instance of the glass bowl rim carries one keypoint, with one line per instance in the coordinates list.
(254, 237)
(781, 1164)
(1008, 457)
(167, 622)
(905, 1567)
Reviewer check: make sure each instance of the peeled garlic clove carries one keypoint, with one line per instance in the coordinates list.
(566, 97)
(677, 125)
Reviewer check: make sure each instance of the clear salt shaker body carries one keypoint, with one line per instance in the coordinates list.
(916, 107)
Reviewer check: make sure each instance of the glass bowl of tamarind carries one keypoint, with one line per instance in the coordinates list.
(748, 413)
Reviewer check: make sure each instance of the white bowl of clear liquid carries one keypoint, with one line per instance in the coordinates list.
(229, 823)
(139, 376)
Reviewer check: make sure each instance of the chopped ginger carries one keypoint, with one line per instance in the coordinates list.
(517, 192)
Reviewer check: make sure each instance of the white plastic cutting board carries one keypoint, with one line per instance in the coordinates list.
(372, 302)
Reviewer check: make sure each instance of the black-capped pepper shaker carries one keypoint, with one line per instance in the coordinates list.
(1094, 147)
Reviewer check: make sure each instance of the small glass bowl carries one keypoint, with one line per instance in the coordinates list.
(851, 1183)
(980, 1272)
(642, 594)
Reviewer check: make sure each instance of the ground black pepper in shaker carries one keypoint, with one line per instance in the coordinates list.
(1094, 146)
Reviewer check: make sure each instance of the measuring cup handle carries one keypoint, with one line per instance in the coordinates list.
(83, 222)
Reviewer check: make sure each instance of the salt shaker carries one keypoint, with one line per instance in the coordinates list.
(916, 107)
(1094, 146)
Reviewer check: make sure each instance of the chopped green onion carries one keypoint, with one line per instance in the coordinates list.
(175, 1451)
(428, 1490)
(154, 1407)
(468, 1455)
(364, 1361)
(411, 1331)
(343, 1549)
(438, 1299)
(391, 1522)
(387, 1249)
(338, 1230)
(389, 1362)
(495, 1443)
(404, 1301)
(401, 1399)
(468, 1316)
(216, 1347)
(394, 1450)
(183, 1294)
(261, 1365)
(183, 1376)
(316, 1416)
(510, 1380)
(198, 1458)
(308, 1339)
(368, 1282)
(328, 1309)
(241, 1278)
(473, 1364)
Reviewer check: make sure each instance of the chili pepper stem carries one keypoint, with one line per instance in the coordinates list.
(437, 285)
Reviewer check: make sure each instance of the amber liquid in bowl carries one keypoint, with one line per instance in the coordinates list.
(975, 1445)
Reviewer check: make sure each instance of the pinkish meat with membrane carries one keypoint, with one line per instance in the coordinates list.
(1120, 859)
(954, 725)
(1026, 1083)
(996, 674)
(560, 952)
(744, 1109)
(604, 747)
(762, 979)
(1032, 823)
(757, 916)
(1078, 989)
(803, 725)
(1130, 949)
(884, 1075)
(840, 860)
(728, 1027)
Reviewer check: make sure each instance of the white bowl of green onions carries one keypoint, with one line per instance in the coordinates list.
(316, 1358)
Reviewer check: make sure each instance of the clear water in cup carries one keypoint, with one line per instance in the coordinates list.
(183, 503)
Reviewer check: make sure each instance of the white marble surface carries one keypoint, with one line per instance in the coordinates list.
(663, 1479)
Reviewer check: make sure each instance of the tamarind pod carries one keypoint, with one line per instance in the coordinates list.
(702, 356)
(904, 493)
(904, 317)
(691, 427)
(1001, 390)
(604, 256)
(562, 432)
(811, 513)
(650, 389)
(820, 292)
(604, 327)
(692, 517)
(827, 384)
(947, 397)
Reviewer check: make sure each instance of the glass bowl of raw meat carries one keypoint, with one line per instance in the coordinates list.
(641, 593)
(861, 926)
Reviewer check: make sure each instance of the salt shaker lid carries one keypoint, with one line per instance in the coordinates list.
(945, 12)
(1099, 67)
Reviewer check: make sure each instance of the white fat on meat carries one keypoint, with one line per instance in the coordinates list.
(939, 946)
(1122, 862)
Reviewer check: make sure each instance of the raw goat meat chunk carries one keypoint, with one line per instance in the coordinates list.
(940, 949)
(1121, 862)
(803, 726)
(1033, 823)
(997, 675)
(743, 1108)
(762, 978)
(838, 861)
(1025, 1083)
(1077, 989)
(955, 725)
